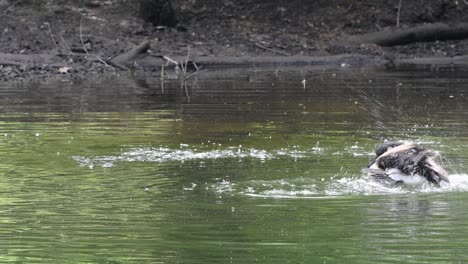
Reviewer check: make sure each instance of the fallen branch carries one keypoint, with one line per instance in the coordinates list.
(125, 60)
(423, 33)
(272, 50)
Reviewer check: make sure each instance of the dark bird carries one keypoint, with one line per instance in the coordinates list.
(400, 163)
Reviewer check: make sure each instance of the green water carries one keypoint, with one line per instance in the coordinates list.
(253, 167)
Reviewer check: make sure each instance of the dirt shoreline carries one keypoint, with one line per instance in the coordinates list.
(40, 39)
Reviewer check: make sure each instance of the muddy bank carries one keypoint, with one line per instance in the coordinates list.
(83, 38)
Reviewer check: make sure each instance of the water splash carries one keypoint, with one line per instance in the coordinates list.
(162, 155)
(335, 187)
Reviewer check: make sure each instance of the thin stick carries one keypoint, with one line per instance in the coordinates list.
(101, 60)
(169, 60)
(398, 14)
(196, 66)
(65, 44)
(272, 50)
(277, 69)
(11, 6)
(193, 74)
(81, 36)
(162, 73)
(52, 35)
(349, 8)
(378, 27)
(184, 67)
(84, 46)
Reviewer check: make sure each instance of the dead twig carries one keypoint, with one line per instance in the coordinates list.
(185, 65)
(378, 26)
(84, 46)
(81, 36)
(348, 9)
(398, 14)
(10, 7)
(272, 50)
(100, 60)
(52, 35)
(162, 73)
(196, 66)
(169, 60)
(65, 43)
(193, 74)
(278, 69)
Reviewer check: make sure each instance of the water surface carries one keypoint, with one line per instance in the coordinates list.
(254, 167)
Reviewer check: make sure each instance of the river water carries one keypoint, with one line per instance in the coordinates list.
(260, 167)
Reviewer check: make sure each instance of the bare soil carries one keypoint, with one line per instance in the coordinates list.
(83, 35)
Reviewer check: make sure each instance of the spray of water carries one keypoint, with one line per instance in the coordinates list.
(162, 155)
(311, 187)
(335, 187)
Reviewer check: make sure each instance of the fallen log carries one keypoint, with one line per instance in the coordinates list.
(278, 61)
(456, 60)
(10, 63)
(125, 60)
(9, 59)
(422, 33)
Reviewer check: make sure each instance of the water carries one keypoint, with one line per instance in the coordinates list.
(253, 167)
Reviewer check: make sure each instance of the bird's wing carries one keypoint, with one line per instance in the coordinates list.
(437, 172)
(392, 151)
